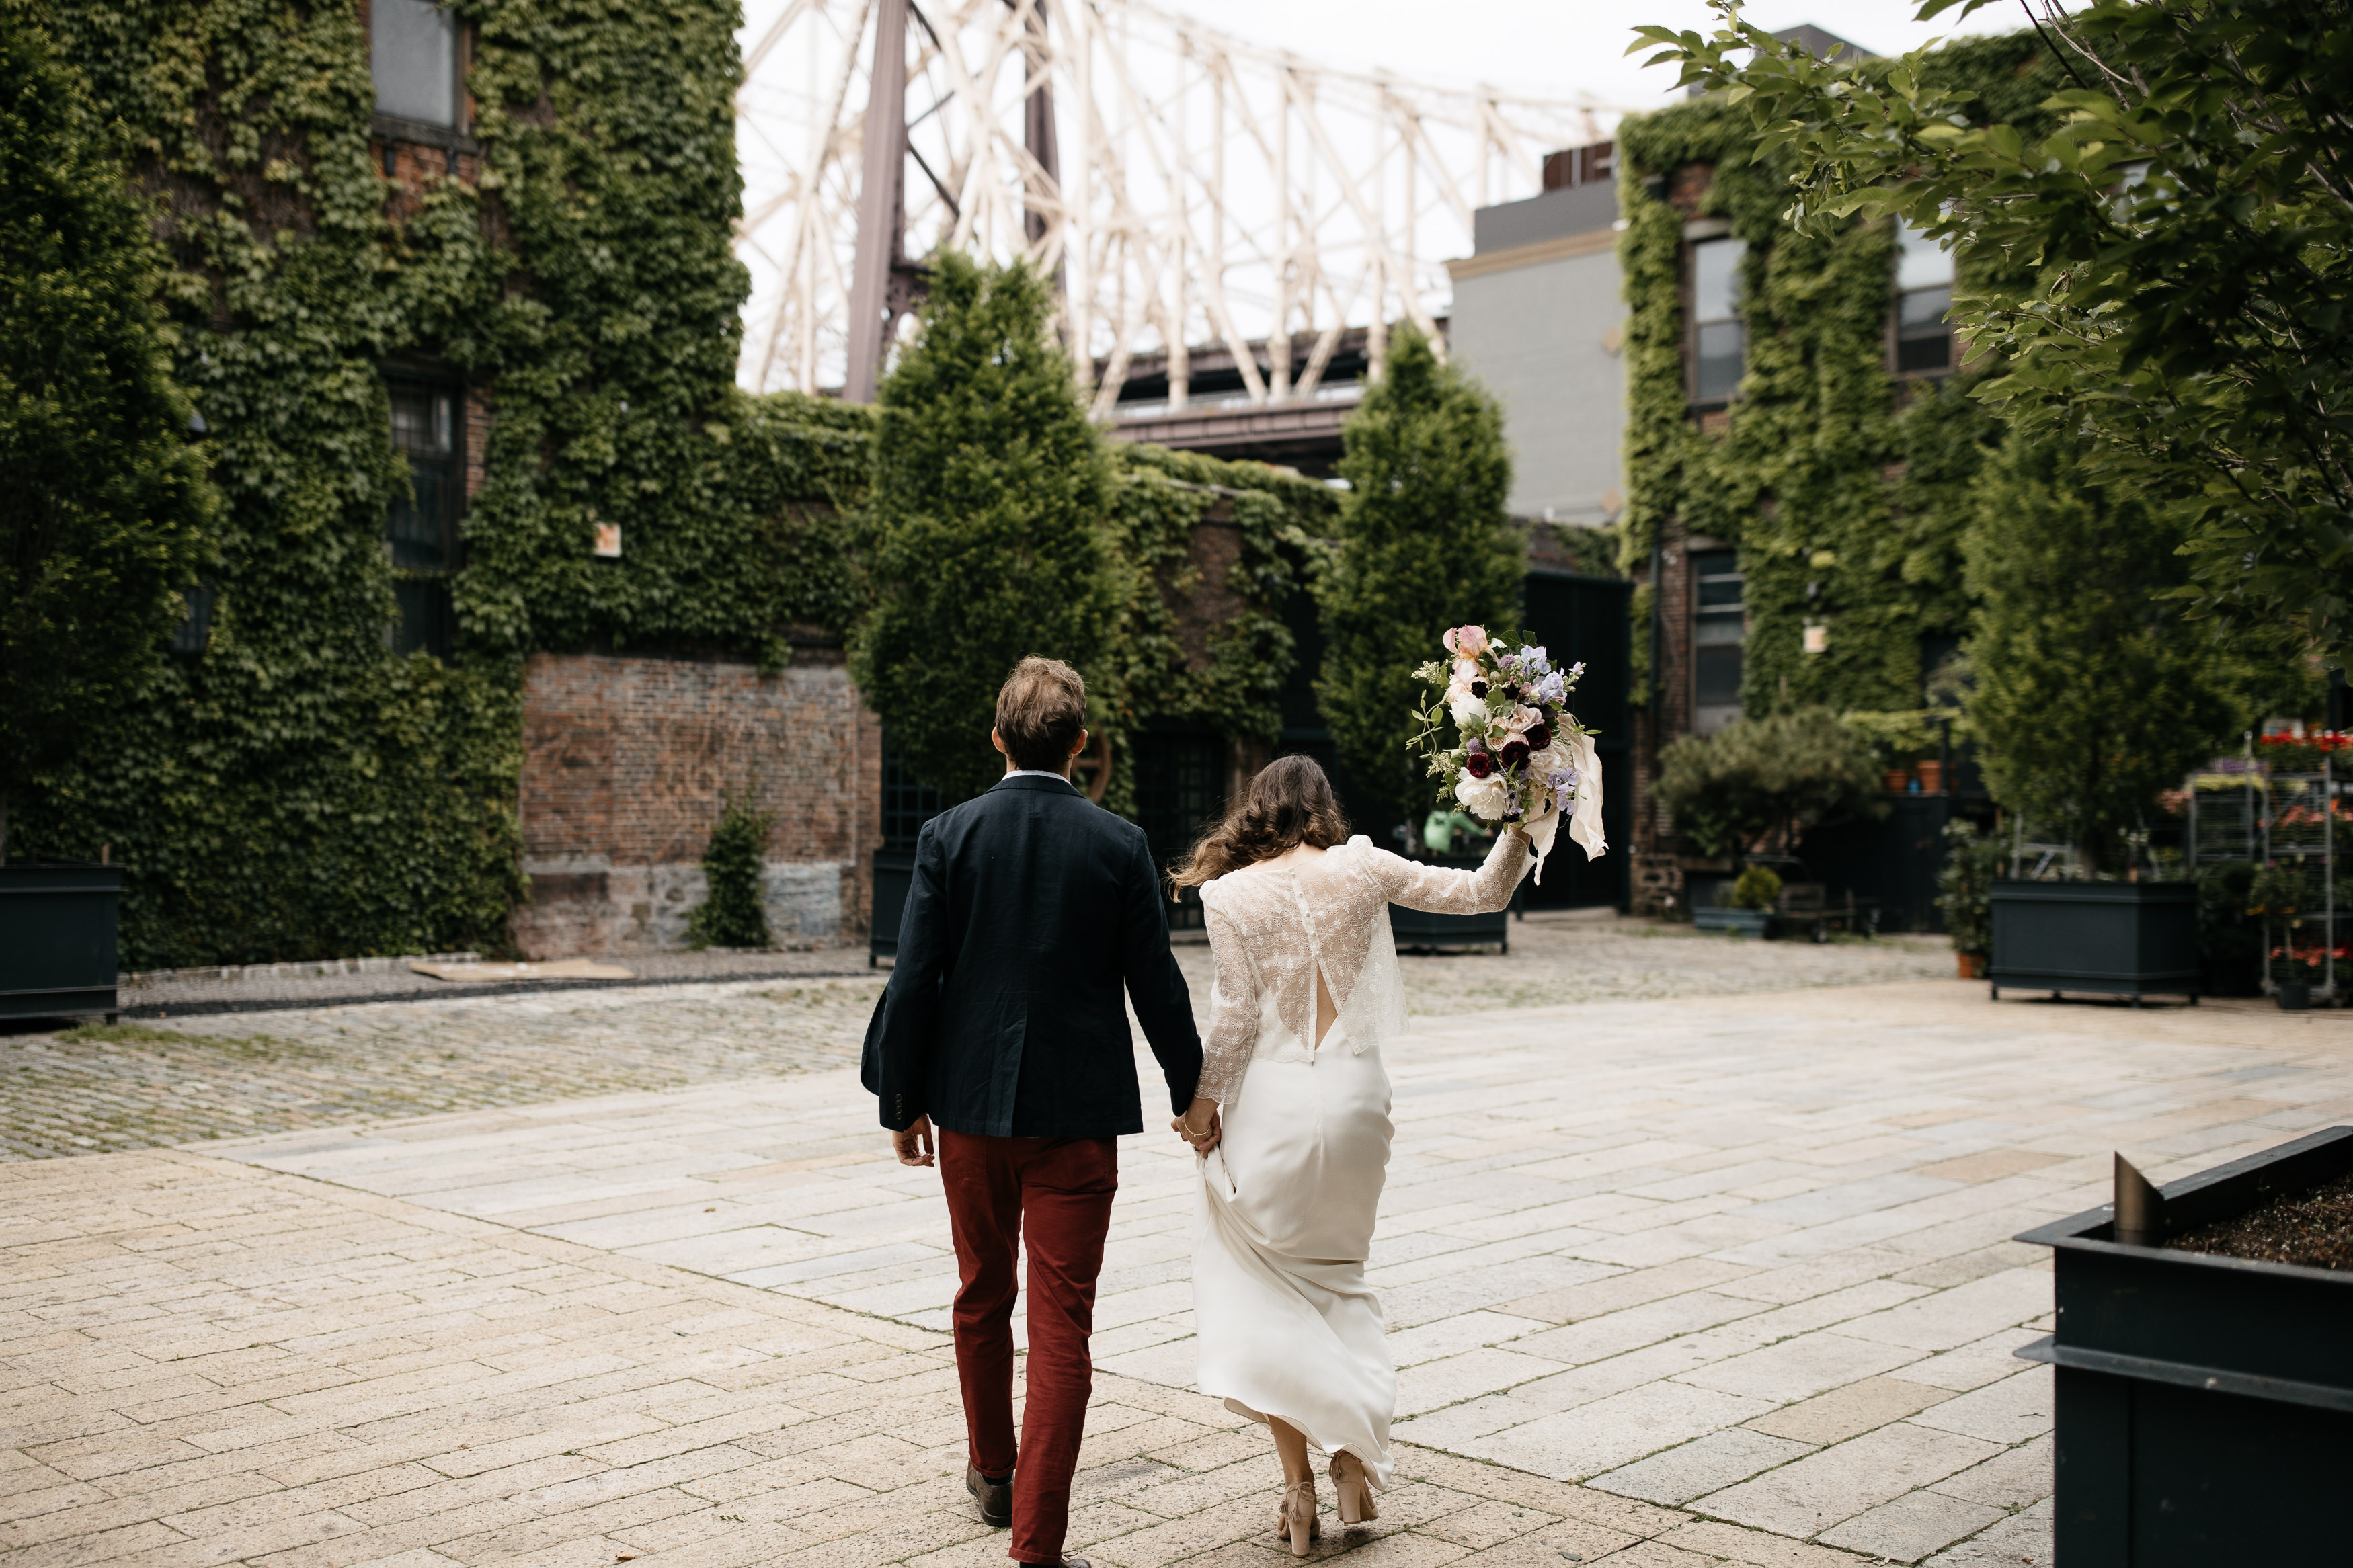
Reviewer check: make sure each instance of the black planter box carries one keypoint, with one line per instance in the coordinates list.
(2204, 1404)
(57, 938)
(1418, 931)
(895, 873)
(2117, 939)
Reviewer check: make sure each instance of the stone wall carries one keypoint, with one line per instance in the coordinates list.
(626, 762)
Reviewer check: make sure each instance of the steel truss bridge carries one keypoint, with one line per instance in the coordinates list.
(1211, 210)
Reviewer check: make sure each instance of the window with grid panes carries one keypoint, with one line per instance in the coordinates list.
(906, 804)
(1719, 344)
(1924, 301)
(1180, 788)
(421, 530)
(1719, 630)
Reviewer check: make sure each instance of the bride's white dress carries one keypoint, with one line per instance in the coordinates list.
(1287, 1326)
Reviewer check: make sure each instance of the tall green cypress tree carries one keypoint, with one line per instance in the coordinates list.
(107, 504)
(1425, 544)
(2093, 694)
(985, 538)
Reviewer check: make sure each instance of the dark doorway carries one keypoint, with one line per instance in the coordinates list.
(1586, 620)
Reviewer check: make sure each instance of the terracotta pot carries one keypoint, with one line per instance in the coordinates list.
(1970, 964)
(1897, 781)
(1932, 778)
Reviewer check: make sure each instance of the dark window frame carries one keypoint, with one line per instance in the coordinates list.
(1935, 343)
(426, 619)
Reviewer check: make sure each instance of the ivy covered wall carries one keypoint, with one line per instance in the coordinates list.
(1844, 490)
(295, 789)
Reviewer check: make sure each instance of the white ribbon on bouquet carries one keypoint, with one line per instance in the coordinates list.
(1585, 812)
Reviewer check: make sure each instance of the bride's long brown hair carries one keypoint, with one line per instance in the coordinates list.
(1290, 803)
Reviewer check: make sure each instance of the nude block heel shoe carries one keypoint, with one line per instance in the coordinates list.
(1297, 1521)
(1355, 1496)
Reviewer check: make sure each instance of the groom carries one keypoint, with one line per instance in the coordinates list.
(1002, 1042)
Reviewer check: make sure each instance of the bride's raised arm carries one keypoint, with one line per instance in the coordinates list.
(1444, 891)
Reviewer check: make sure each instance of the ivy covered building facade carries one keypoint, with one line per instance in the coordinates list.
(1800, 450)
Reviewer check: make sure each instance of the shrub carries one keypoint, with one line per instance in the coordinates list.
(731, 914)
(1756, 888)
(1769, 779)
(987, 537)
(1965, 887)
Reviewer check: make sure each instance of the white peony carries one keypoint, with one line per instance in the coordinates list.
(1486, 798)
(1467, 710)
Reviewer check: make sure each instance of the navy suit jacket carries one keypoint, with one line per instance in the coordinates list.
(1032, 909)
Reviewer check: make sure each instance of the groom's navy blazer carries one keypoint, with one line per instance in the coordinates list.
(1032, 909)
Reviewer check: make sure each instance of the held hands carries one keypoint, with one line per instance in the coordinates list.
(1200, 1126)
(915, 1143)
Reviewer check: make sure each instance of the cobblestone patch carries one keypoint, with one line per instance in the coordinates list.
(96, 1088)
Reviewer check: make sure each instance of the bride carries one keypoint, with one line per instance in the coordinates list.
(1293, 1121)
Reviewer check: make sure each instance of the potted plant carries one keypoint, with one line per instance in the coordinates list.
(2276, 897)
(107, 507)
(1965, 894)
(2204, 1377)
(1750, 912)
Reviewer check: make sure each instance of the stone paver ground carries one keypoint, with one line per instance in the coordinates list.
(1716, 1280)
(183, 1078)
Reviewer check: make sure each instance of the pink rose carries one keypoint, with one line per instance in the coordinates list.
(1466, 642)
(1521, 720)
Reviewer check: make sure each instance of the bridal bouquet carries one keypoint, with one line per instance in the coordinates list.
(1517, 753)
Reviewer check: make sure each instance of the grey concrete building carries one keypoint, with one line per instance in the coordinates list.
(1539, 318)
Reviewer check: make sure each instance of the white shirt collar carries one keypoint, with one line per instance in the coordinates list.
(1034, 774)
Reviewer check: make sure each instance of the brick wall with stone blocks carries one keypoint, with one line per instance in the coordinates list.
(627, 760)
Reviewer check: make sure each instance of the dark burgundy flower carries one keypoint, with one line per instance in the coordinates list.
(1479, 689)
(1479, 764)
(1516, 753)
(1539, 737)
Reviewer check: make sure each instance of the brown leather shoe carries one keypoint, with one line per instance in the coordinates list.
(994, 1497)
(1067, 1563)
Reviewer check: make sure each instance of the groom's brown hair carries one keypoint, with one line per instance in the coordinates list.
(1040, 710)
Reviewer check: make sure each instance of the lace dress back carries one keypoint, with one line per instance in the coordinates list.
(1273, 930)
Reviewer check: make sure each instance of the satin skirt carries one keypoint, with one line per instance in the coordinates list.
(1283, 1223)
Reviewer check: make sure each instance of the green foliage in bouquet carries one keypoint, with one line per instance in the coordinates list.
(107, 506)
(731, 914)
(2093, 696)
(1965, 886)
(986, 539)
(1756, 888)
(1424, 545)
(1767, 779)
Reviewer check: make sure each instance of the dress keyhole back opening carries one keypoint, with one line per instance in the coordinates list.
(1323, 1012)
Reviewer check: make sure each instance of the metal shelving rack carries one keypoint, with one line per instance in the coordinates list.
(2298, 832)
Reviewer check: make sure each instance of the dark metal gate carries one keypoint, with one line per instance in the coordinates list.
(1180, 788)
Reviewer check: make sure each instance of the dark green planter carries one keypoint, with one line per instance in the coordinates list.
(2112, 938)
(1739, 922)
(895, 873)
(58, 937)
(2204, 1405)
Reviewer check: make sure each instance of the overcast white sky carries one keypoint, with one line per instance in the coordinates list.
(1546, 47)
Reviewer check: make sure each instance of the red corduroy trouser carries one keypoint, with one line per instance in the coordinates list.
(1054, 1195)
